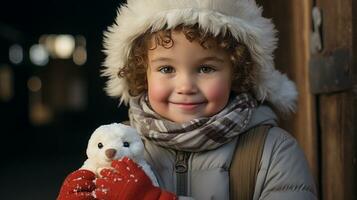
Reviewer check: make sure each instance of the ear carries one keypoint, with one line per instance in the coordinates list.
(92, 146)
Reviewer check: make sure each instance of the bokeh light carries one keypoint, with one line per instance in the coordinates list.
(16, 54)
(34, 84)
(80, 55)
(64, 46)
(39, 55)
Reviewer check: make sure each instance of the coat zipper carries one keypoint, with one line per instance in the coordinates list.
(181, 168)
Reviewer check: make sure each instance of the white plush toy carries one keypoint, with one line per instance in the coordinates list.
(114, 141)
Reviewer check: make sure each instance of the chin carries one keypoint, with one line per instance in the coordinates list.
(183, 119)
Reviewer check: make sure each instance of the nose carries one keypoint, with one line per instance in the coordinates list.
(110, 153)
(186, 84)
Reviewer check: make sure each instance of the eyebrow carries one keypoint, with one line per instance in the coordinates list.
(161, 59)
(212, 58)
(204, 59)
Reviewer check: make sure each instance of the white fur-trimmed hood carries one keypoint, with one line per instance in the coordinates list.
(243, 18)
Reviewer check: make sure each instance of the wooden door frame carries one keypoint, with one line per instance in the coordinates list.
(325, 125)
(293, 22)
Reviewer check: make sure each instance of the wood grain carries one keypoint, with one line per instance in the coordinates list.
(293, 21)
(337, 110)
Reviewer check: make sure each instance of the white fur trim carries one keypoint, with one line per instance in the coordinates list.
(243, 18)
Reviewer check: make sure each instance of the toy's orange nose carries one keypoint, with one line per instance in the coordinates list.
(110, 153)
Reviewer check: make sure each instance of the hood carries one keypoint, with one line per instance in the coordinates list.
(262, 115)
(242, 18)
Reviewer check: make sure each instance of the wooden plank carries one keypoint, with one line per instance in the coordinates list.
(293, 21)
(304, 121)
(336, 110)
(354, 117)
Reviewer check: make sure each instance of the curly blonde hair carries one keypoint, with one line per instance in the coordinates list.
(244, 70)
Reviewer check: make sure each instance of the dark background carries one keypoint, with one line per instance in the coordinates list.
(37, 157)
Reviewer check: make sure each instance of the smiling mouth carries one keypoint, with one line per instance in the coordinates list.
(188, 106)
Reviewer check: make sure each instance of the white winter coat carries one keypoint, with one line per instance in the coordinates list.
(283, 174)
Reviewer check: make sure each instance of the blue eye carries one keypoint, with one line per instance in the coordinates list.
(206, 69)
(166, 69)
(126, 144)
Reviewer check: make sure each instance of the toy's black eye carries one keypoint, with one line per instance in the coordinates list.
(126, 144)
(100, 145)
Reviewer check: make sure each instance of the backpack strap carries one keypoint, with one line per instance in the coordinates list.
(245, 162)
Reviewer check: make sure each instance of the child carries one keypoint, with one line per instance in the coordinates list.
(195, 74)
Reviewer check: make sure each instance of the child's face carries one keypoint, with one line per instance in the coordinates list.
(186, 81)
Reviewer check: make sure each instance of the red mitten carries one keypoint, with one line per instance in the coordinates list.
(78, 186)
(127, 181)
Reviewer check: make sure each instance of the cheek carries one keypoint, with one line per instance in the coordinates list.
(157, 91)
(218, 91)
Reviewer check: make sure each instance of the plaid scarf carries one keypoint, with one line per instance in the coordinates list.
(196, 135)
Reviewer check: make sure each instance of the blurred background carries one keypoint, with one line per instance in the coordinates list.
(52, 97)
(51, 92)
